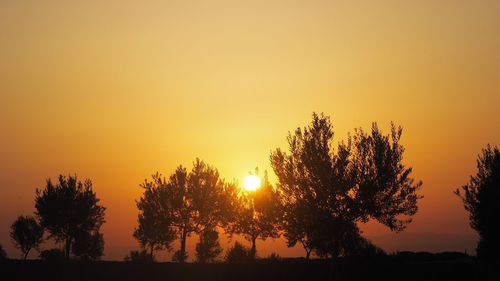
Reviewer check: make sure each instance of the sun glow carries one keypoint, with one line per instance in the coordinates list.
(251, 183)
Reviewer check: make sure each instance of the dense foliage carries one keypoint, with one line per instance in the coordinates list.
(68, 209)
(208, 248)
(481, 198)
(26, 234)
(239, 254)
(325, 192)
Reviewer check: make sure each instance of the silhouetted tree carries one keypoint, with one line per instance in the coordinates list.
(174, 206)
(141, 256)
(326, 192)
(239, 254)
(88, 245)
(211, 199)
(155, 230)
(3, 254)
(191, 202)
(481, 197)
(349, 241)
(258, 214)
(67, 209)
(26, 234)
(208, 248)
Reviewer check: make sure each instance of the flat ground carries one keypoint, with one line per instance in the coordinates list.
(412, 267)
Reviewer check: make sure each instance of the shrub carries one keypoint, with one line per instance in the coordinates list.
(239, 254)
(179, 256)
(52, 255)
(274, 257)
(208, 249)
(141, 256)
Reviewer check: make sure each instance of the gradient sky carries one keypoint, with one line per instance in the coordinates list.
(117, 90)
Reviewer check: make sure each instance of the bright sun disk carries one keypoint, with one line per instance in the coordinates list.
(251, 183)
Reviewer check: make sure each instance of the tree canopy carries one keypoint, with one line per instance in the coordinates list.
(327, 190)
(88, 245)
(481, 197)
(68, 208)
(26, 234)
(155, 230)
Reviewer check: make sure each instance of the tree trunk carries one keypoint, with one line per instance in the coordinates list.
(26, 254)
(307, 249)
(67, 247)
(202, 253)
(182, 257)
(308, 253)
(253, 251)
(333, 268)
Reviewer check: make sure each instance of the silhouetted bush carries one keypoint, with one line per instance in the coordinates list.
(52, 255)
(239, 254)
(408, 256)
(3, 254)
(180, 256)
(141, 256)
(208, 248)
(274, 257)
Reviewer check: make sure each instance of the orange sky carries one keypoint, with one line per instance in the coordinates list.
(116, 91)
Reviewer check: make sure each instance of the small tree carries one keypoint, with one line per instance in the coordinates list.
(208, 248)
(480, 197)
(326, 192)
(26, 234)
(258, 214)
(155, 230)
(174, 207)
(67, 209)
(52, 255)
(88, 245)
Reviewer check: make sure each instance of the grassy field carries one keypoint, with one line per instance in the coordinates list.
(409, 267)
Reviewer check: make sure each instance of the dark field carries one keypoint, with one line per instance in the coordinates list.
(402, 267)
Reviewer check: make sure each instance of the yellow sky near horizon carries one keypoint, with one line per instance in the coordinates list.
(117, 90)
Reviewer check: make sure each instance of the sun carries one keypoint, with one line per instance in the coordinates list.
(251, 183)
